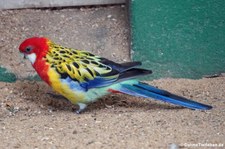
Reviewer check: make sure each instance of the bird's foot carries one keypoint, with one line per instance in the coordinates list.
(82, 107)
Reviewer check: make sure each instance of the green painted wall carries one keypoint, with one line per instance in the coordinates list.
(179, 38)
(6, 76)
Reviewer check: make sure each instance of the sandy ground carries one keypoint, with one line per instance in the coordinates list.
(30, 117)
(100, 30)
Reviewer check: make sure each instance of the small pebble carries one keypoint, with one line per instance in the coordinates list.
(173, 146)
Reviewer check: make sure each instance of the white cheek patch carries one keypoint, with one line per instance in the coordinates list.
(32, 57)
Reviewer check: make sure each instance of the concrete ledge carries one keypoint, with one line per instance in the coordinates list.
(18, 4)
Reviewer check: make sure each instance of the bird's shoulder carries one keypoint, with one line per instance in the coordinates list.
(79, 65)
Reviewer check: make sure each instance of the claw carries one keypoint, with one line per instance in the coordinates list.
(82, 106)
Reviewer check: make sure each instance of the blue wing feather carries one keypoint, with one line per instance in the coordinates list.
(97, 82)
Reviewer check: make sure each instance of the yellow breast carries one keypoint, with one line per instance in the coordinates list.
(64, 88)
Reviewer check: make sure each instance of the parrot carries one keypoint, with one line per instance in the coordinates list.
(83, 78)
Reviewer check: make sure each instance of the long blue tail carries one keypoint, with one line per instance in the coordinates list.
(145, 90)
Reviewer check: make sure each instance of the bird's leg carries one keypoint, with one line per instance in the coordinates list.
(82, 106)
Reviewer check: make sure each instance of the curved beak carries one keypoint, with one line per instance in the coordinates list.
(23, 55)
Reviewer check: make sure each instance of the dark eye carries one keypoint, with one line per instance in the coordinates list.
(28, 49)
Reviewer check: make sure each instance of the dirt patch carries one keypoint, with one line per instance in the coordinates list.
(30, 116)
(100, 30)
